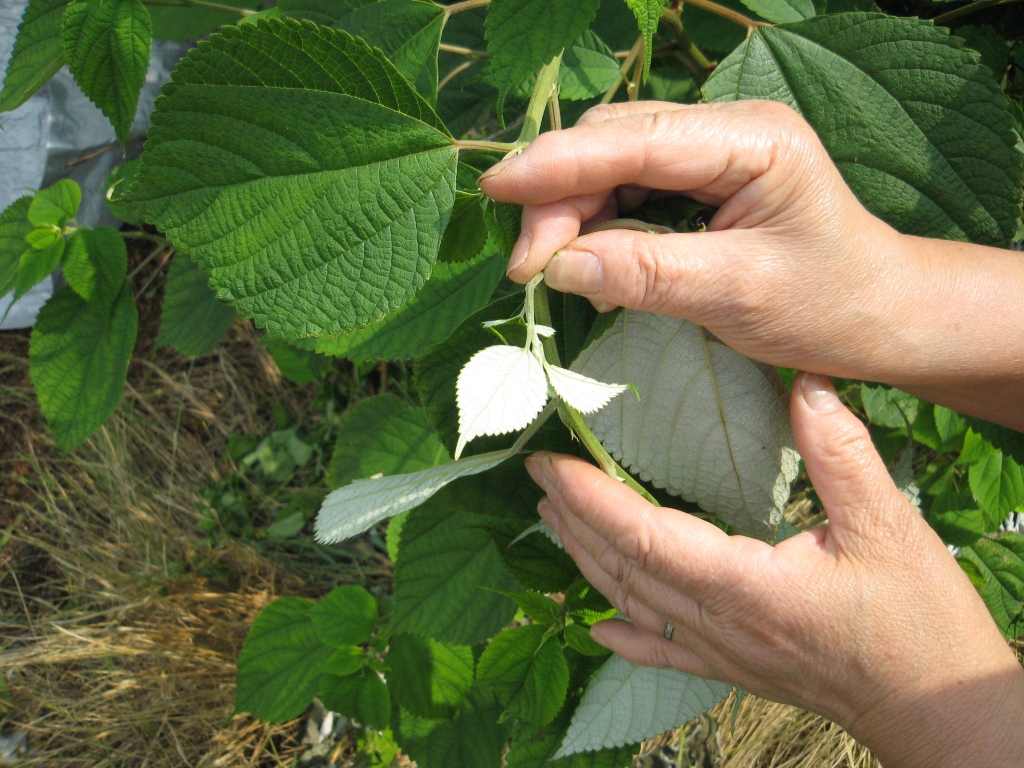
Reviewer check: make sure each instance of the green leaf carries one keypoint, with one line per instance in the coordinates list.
(408, 31)
(577, 636)
(428, 678)
(345, 616)
(534, 560)
(782, 11)
(997, 482)
(14, 227)
(873, 87)
(78, 267)
(527, 671)
(586, 605)
(625, 704)
(79, 354)
(709, 425)
(106, 43)
(37, 54)
(363, 697)
(346, 660)
(998, 574)
(448, 571)
(648, 16)
(317, 204)
(298, 365)
(949, 424)
(453, 292)
(524, 35)
(474, 738)
(503, 224)
(589, 68)
(883, 406)
(279, 667)
(184, 23)
(386, 435)
(989, 43)
(466, 234)
(320, 11)
(39, 260)
(540, 608)
(956, 518)
(55, 205)
(192, 320)
(467, 95)
(116, 186)
(534, 747)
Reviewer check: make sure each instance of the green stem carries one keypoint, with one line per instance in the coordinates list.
(463, 51)
(138, 234)
(466, 5)
(687, 51)
(727, 13)
(942, 18)
(142, 264)
(572, 418)
(547, 82)
(635, 51)
(497, 146)
(201, 4)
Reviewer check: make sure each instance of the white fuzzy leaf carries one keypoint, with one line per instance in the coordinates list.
(625, 704)
(581, 392)
(355, 507)
(501, 389)
(710, 425)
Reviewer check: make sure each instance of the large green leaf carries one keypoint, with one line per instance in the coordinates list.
(709, 426)
(14, 226)
(997, 482)
(534, 747)
(387, 435)
(428, 678)
(474, 738)
(362, 697)
(79, 357)
(345, 616)
(625, 704)
(782, 11)
(524, 35)
(453, 292)
(448, 568)
(527, 671)
(589, 68)
(171, 23)
(281, 661)
(298, 167)
(995, 564)
(408, 31)
(37, 53)
(916, 125)
(466, 234)
(192, 320)
(106, 43)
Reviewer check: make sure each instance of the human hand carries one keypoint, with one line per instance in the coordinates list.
(793, 270)
(868, 621)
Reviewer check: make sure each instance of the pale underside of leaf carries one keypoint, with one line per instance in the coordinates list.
(625, 704)
(709, 426)
(500, 390)
(581, 392)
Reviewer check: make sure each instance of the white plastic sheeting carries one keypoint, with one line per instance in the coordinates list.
(46, 138)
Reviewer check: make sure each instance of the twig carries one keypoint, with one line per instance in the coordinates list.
(942, 18)
(98, 152)
(633, 89)
(624, 70)
(466, 5)
(145, 261)
(727, 13)
(463, 51)
(451, 75)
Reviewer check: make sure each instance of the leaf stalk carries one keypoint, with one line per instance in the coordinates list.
(494, 146)
(466, 5)
(201, 4)
(727, 13)
(547, 84)
(631, 57)
(956, 13)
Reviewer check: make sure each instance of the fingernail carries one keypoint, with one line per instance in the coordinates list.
(818, 392)
(497, 170)
(535, 466)
(519, 252)
(575, 272)
(547, 513)
(596, 637)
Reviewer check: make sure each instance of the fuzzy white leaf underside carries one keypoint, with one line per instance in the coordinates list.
(709, 426)
(500, 390)
(625, 704)
(581, 392)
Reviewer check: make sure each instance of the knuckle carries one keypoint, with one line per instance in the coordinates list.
(648, 288)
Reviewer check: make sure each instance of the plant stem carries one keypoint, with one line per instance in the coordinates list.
(497, 146)
(686, 51)
(633, 224)
(942, 18)
(554, 112)
(451, 75)
(633, 88)
(638, 46)
(727, 13)
(572, 418)
(547, 83)
(201, 4)
(463, 51)
(142, 264)
(466, 5)
(138, 234)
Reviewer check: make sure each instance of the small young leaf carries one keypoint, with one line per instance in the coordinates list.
(46, 248)
(474, 738)
(281, 661)
(997, 563)
(589, 68)
(782, 11)
(37, 54)
(648, 16)
(997, 482)
(298, 365)
(504, 222)
(533, 560)
(192, 320)
(949, 424)
(363, 697)
(78, 267)
(384, 435)
(116, 186)
(106, 43)
(581, 392)
(428, 678)
(887, 407)
(345, 616)
(14, 227)
(501, 389)
(625, 704)
(55, 205)
(79, 354)
(578, 637)
(346, 660)
(527, 671)
(540, 608)
(466, 233)
(956, 518)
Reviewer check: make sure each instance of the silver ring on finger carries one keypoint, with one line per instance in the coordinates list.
(669, 631)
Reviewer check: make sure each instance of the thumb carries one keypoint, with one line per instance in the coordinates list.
(863, 504)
